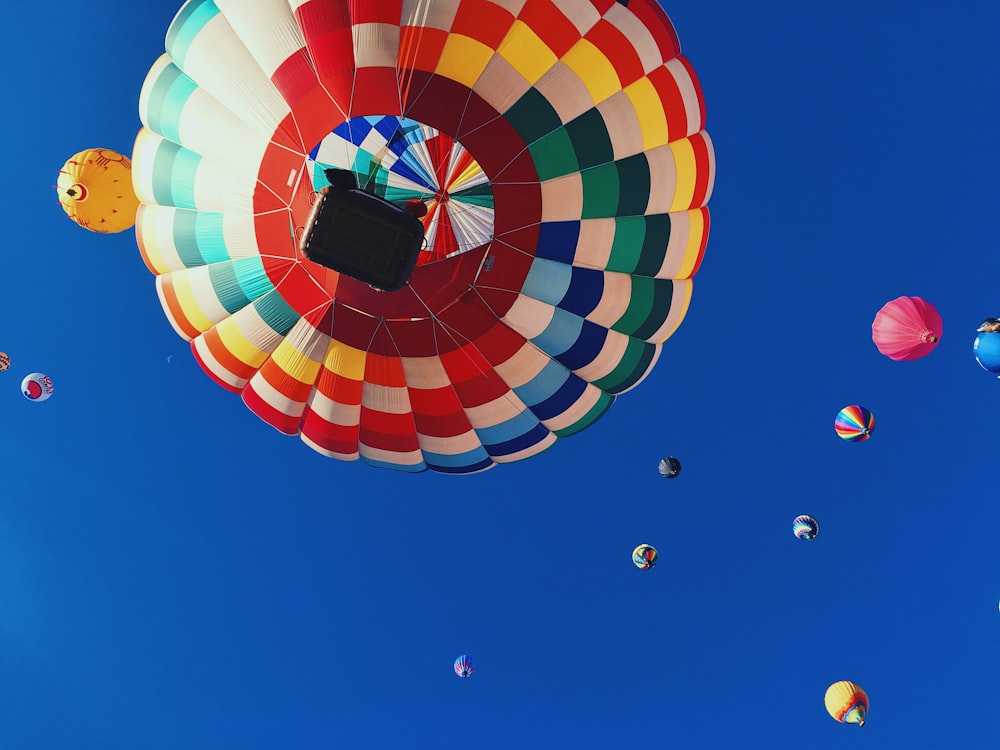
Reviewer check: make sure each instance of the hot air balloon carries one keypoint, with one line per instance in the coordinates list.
(464, 666)
(4, 361)
(644, 556)
(986, 348)
(36, 387)
(854, 423)
(669, 467)
(558, 147)
(907, 328)
(95, 190)
(847, 702)
(805, 527)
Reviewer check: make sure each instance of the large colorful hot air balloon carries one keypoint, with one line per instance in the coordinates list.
(95, 190)
(464, 666)
(36, 386)
(854, 423)
(847, 702)
(644, 556)
(805, 527)
(907, 328)
(4, 361)
(559, 148)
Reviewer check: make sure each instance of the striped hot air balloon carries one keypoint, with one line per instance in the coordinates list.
(847, 702)
(644, 556)
(558, 147)
(464, 666)
(805, 527)
(854, 423)
(669, 467)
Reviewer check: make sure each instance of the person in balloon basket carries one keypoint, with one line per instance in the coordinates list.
(990, 325)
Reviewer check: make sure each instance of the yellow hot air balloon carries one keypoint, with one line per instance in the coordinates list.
(847, 702)
(95, 190)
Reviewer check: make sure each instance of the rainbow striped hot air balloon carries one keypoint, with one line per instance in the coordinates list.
(805, 527)
(854, 423)
(847, 702)
(464, 666)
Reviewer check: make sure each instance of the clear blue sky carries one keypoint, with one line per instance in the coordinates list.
(176, 574)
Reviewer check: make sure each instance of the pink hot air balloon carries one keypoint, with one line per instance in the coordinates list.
(906, 328)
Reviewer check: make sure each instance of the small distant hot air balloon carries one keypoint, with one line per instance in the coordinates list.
(644, 556)
(854, 423)
(36, 387)
(4, 361)
(907, 328)
(847, 702)
(95, 190)
(805, 527)
(987, 345)
(670, 467)
(464, 666)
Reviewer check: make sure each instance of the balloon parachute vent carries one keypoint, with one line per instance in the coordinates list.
(361, 235)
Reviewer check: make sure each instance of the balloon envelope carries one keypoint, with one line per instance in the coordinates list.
(644, 556)
(95, 190)
(854, 423)
(464, 666)
(559, 149)
(907, 328)
(847, 702)
(987, 350)
(805, 527)
(36, 387)
(669, 467)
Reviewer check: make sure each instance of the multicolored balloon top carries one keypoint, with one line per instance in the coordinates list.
(36, 386)
(559, 147)
(907, 328)
(846, 702)
(854, 423)
(805, 527)
(464, 666)
(644, 556)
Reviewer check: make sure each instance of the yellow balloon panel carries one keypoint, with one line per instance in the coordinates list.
(95, 190)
